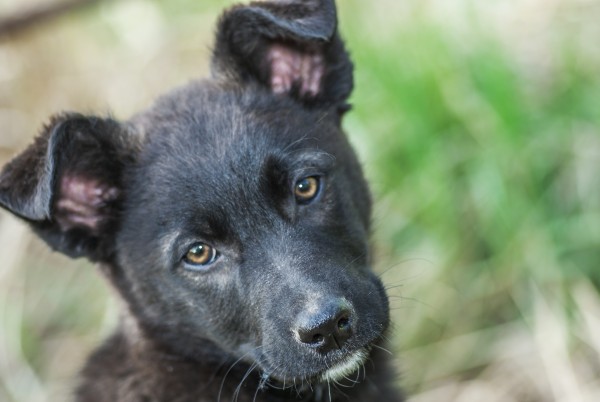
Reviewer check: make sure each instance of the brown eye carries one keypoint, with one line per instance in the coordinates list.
(306, 189)
(200, 254)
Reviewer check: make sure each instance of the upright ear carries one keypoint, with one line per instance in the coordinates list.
(68, 184)
(290, 47)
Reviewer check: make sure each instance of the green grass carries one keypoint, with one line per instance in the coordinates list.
(485, 176)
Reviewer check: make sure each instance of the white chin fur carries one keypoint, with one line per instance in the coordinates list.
(346, 367)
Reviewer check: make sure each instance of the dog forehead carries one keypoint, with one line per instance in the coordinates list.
(210, 144)
(217, 121)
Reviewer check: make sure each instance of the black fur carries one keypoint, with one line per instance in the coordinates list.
(289, 310)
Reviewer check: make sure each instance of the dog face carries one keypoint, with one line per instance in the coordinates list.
(233, 212)
(275, 261)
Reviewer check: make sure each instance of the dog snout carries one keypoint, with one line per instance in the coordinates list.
(326, 327)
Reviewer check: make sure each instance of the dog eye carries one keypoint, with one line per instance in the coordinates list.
(200, 254)
(306, 189)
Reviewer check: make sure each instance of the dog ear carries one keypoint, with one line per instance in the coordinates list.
(67, 184)
(290, 47)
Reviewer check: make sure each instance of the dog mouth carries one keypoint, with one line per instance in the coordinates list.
(339, 371)
(346, 367)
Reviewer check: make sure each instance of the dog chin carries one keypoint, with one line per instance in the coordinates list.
(336, 372)
(346, 367)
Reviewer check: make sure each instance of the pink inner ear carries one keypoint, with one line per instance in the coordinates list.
(291, 67)
(82, 202)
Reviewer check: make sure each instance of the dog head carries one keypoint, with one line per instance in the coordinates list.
(234, 211)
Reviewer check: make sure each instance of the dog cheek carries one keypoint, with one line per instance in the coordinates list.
(270, 309)
(373, 305)
(282, 359)
(225, 313)
(282, 353)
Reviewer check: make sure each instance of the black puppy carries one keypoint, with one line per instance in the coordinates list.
(232, 218)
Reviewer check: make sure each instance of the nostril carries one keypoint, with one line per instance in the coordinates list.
(326, 329)
(317, 339)
(312, 337)
(343, 324)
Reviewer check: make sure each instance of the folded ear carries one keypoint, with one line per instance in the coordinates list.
(68, 183)
(290, 47)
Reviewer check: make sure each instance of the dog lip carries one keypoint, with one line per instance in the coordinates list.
(346, 367)
(338, 371)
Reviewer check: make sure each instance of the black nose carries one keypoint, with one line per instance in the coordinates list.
(328, 328)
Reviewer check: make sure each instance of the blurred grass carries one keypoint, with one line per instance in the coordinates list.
(478, 124)
(484, 158)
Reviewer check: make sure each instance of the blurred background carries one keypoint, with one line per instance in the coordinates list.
(478, 124)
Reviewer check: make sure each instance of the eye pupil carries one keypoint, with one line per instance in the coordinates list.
(304, 186)
(306, 189)
(200, 254)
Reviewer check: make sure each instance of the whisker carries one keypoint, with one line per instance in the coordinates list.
(402, 262)
(236, 393)
(384, 349)
(229, 370)
(390, 287)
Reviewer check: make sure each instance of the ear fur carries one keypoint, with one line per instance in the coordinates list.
(289, 47)
(68, 183)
